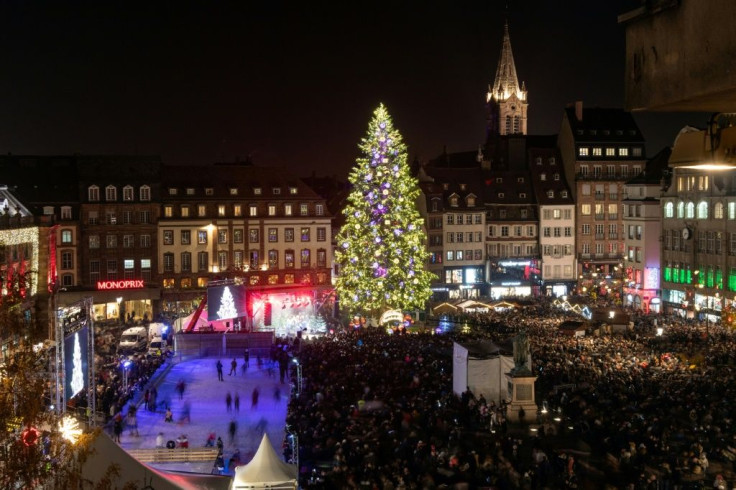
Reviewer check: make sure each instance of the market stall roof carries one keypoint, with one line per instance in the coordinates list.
(265, 470)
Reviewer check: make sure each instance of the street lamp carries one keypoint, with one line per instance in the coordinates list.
(126, 366)
(298, 376)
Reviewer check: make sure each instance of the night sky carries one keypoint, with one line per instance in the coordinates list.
(295, 84)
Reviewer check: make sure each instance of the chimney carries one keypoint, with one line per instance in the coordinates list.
(579, 110)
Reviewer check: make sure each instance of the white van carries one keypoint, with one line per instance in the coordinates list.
(133, 339)
(157, 329)
(156, 346)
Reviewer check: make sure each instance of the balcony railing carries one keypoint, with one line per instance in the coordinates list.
(600, 217)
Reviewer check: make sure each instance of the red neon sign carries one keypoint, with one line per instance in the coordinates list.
(126, 284)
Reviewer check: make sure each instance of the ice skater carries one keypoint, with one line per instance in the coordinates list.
(233, 367)
(236, 402)
(219, 370)
(228, 401)
(254, 398)
(233, 431)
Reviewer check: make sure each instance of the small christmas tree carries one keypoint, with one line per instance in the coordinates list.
(382, 246)
(77, 382)
(227, 305)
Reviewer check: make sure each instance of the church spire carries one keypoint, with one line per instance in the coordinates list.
(506, 100)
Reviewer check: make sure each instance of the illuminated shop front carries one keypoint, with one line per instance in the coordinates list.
(460, 283)
(117, 301)
(514, 278)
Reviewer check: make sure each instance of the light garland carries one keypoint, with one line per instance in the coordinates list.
(22, 236)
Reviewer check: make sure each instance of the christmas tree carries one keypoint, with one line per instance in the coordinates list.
(382, 246)
(77, 382)
(227, 305)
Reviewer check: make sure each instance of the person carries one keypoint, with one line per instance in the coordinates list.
(233, 367)
(236, 403)
(246, 359)
(234, 460)
(152, 399)
(160, 440)
(169, 417)
(232, 430)
(220, 444)
(182, 441)
(219, 370)
(117, 427)
(228, 401)
(210, 440)
(254, 398)
(181, 386)
(132, 421)
(185, 413)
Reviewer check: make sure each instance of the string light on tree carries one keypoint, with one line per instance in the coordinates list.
(381, 248)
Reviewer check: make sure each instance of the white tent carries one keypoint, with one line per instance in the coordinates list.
(265, 470)
(106, 452)
(482, 367)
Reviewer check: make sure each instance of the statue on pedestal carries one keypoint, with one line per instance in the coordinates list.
(521, 353)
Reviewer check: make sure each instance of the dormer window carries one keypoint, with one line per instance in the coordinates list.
(453, 201)
(209, 191)
(257, 191)
(445, 186)
(233, 191)
(48, 210)
(128, 193)
(550, 194)
(522, 195)
(463, 187)
(293, 190)
(276, 191)
(173, 191)
(557, 176)
(111, 193)
(190, 191)
(552, 161)
(520, 180)
(470, 201)
(144, 193)
(501, 195)
(435, 205)
(563, 193)
(539, 160)
(542, 176)
(93, 193)
(499, 180)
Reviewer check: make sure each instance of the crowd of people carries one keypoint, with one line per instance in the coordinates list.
(626, 410)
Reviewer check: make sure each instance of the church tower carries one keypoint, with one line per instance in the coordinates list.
(506, 102)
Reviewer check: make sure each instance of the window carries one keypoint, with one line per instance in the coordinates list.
(542, 176)
(110, 218)
(221, 236)
(253, 210)
(144, 217)
(67, 260)
(209, 191)
(112, 269)
(321, 257)
(321, 234)
(504, 231)
(233, 191)
(304, 209)
(597, 151)
(253, 235)
(186, 237)
(144, 193)
(610, 152)
(272, 210)
(168, 211)
(238, 259)
(168, 237)
(111, 193)
(273, 259)
(222, 260)
(523, 213)
(690, 210)
(93, 193)
(201, 210)
(732, 210)
(288, 210)
(289, 259)
(202, 261)
(669, 210)
(128, 241)
(67, 280)
(273, 235)
(450, 255)
(293, 191)
(186, 262)
(145, 241)
(238, 236)
(583, 151)
(550, 193)
(585, 209)
(202, 237)
(173, 191)
(127, 193)
(257, 191)
(94, 271)
(305, 234)
(305, 258)
(66, 236)
(718, 210)
(547, 231)
(237, 210)
(702, 210)
(288, 234)
(221, 210)
(127, 217)
(66, 212)
(111, 241)
(585, 229)
(623, 152)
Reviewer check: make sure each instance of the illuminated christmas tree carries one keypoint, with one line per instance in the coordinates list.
(227, 305)
(77, 382)
(382, 246)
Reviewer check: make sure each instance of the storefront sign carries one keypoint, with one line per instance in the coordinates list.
(126, 284)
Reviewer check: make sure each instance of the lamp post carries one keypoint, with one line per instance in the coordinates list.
(126, 365)
(298, 377)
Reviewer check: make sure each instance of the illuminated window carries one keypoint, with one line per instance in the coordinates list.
(623, 152)
(202, 282)
(288, 278)
(289, 259)
(287, 209)
(222, 236)
(222, 260)
(253, 235)
(304, 209)
(305, 234)
(238, 259)
(169, 283)
(293, 191)
(237, 210)
(111, 241)
(66, 212)
(168, 237)
(186, 282)
(273, 235)
(702, 210)
(583, 151)
(253, 259)
(186, 237)
(273, 279)
(66, 236)
(272, 210)
(305, 258)
(257, 191)
(237, 236)
(184, 211)
(273, 259)
(173, 191)
(233, 191)
(168, 211)
(221, 209)
(209, 191)
(610, 152)
(253, 210)
(718, 211)
(669, 210)
(190, 191)
(288, 234)
(202, 237)
(319, 210)
(597, 151)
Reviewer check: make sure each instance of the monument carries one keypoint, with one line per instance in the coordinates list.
(523, 408)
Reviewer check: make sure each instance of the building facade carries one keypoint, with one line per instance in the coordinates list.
(601, 149)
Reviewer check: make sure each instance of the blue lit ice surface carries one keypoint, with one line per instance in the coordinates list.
(444, 325)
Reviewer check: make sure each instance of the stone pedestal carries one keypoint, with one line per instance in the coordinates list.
(521, 389)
